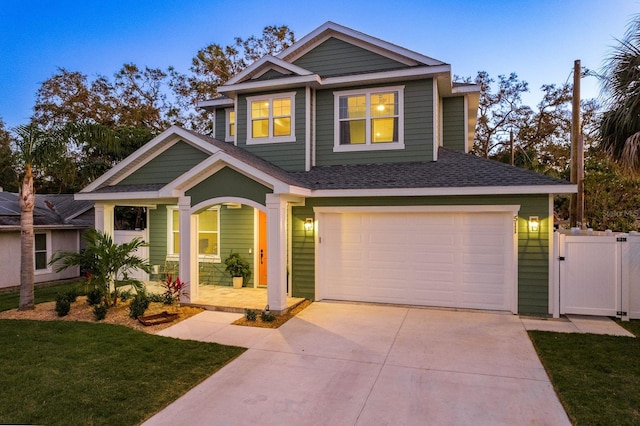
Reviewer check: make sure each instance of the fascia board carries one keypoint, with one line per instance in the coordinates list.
(478, 190)
(102, 196)
(225, 102)
(329, 29)
(457, 208)
(265, 60)
(420, 72)
(280, 83)
(137, 159)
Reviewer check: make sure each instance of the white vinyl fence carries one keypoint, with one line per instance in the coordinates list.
(596, 273)
(120, 237)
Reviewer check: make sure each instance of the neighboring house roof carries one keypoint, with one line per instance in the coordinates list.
(51, 211)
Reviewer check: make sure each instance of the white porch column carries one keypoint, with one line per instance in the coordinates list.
(104, 218)
(188, 269)
(277, 249)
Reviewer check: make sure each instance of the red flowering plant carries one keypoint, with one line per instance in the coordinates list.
(173, 289)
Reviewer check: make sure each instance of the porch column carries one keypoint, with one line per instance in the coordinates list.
(277, 249)
(104, 218)
(188, 250)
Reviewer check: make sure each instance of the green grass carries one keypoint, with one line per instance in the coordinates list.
(11, 299)
(76, 373)
(596, 377)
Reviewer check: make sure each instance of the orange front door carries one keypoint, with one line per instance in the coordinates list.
(262, 248)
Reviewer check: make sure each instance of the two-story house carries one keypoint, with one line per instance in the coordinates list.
(340, 169)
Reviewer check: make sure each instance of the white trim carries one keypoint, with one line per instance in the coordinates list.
(228, 137)
(214, 258)
(221, 200)
(313, 128)
(146, 153)
(253, 70)
(331, 29)
(48, 269)
(307, 129)
(465, 103)
(434, 117)
(270, 119)
(385, 76)
(474, 190)
(115, 196)
(552, 249)
(217, 102)
(468, 88)
(466, 208)
(256, 247)
(277, 84)
(369, 145)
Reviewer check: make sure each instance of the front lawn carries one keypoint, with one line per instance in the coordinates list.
(77, 373)
(596, 377)
(10, 299)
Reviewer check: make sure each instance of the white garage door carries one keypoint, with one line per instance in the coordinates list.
(461, 260)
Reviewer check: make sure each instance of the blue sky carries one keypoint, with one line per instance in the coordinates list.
(539, 40)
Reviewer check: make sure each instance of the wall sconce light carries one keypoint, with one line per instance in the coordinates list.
(308, 224)
(534, 224)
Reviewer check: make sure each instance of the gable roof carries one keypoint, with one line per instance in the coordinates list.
(51, 211)
(331, 29)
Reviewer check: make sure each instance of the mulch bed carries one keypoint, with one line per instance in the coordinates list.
(279, 320)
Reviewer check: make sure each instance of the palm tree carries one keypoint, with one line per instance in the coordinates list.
(620, 125)
(108, 264)
(34, 147)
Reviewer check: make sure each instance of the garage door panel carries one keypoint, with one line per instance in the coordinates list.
(435, 259)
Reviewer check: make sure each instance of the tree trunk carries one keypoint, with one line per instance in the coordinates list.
(27, 202)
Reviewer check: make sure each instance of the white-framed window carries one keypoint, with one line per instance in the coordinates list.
(41, 252)
(230, 125)
(271, 118)
(208, 234)
(369, 119)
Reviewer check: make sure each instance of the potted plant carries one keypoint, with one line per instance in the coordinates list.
(238, 268)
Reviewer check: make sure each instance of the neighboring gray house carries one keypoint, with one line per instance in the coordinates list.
(340, 169)
(59, 220)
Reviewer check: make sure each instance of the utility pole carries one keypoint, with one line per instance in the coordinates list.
(576, 210)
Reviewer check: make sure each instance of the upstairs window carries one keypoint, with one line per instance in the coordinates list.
(230, 132)
(208, 234)
(271, 118)
(369, 119)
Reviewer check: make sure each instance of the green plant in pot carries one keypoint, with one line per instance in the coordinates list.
(238, 268)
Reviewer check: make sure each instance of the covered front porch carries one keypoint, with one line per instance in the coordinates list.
(229, 299)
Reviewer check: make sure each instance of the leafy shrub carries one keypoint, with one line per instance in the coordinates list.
(138, 305)
(126, 295)
(99, 312)
(71, 295)
(63, 305)
(267, 316)
(94, 296)
(155, 297)
(250, 314)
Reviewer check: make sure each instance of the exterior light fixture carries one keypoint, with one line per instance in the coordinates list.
(534, 224)
(308, 224)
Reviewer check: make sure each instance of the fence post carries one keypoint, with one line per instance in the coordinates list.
(625, 277)
(558, 240)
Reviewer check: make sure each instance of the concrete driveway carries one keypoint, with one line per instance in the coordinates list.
(358, 364)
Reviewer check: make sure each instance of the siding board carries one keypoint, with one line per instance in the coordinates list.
(336, 57)
(453, 124)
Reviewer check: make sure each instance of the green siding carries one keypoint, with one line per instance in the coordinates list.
(220, 124)
(335, 57)
(453, 124)
(418, 129)
(270, 75)
(289, 156)
(236, 234)
(158, 235)
(228, 183)
(167, 166)
(533, 250)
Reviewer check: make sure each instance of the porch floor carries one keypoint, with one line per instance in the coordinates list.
(229, 299)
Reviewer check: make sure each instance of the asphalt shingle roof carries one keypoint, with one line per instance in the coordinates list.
(453, 169)
(49, 210)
